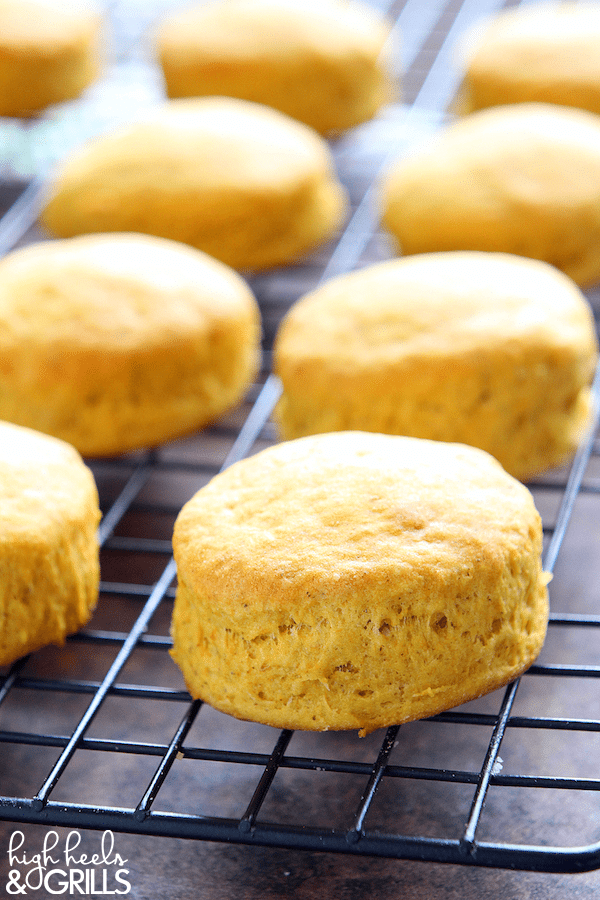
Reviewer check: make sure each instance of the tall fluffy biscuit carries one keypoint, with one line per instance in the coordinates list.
(49, 569)
(544, 52)
(122, 341)
(357, 580)
(487, 349)
(244, 183)
(322, 62)
(49, 52)
(521, 179)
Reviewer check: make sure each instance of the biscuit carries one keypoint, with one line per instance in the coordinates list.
(49, 564)
(244, 183)
(122, 341)
(521, 179)
(49, 53)
(322, 62)
(357, 580)
(545, 52)
(486, 349)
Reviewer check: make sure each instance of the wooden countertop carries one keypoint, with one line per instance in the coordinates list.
(185, 870)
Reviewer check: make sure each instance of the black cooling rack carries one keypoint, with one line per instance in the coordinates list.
(101, 734)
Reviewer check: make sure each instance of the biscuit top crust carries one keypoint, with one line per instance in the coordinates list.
(543, 42)
(44, 484)
(274, 28)
(115, 290)
(541, 153)
(521, 178)
(230, 144)
(245, 183)
(436, 304)
(334, 515)
(28, 25)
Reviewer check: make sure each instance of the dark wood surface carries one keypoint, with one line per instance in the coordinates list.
(184, 870)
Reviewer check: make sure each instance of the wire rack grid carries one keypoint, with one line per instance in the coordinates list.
(457, 788)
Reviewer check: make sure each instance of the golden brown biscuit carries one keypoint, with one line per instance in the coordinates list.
(49, 52)
(487, 349)
(521, 179)
(242, 182)
(544, 52)
(122, 341)
(357, 580)
(49, 569)
(320, 61)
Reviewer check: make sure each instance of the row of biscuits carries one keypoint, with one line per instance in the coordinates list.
(324, 64)
(349, 579)
(127, 340)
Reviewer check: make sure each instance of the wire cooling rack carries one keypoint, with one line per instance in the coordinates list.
(101, 734)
